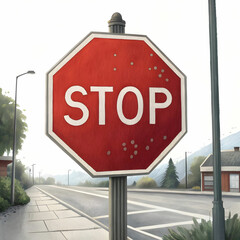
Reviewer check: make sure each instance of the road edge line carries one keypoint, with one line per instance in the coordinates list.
(76, 210)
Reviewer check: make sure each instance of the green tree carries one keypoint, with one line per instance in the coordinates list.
(19, 170)
(170, 179)
(20, 174)
(194, 178)
(50, 181)
(6, 125)
(20, 196)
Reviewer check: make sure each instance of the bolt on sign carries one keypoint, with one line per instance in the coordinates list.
(116, 104)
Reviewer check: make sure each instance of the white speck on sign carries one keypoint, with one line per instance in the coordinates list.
(166, 79)
(162, 70)
(155, 68)
(135, 152)
(164, 137)
(135, 146)
(149, 69)
(159, 75)
(132, 141)
(151, 140)
(151, 54)
(131, 63)
(114, 69)
(147, 148)
(124, 144)
(108, 153)
(114, 54)
(125, 149)
(131, 156)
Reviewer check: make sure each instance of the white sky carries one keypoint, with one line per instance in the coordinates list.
(35, 35)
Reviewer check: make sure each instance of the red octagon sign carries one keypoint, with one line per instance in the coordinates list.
(116, 104)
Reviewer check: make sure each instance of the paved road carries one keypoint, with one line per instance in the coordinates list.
(149, 214)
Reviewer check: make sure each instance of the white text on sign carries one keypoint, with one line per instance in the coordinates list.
(102, 90)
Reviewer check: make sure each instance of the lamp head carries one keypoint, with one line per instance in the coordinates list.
(31, 72)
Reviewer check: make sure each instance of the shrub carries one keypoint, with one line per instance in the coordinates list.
(4, 204)
(196, 188)
(199, 231)
(232, 227)
(87, 183)
(146, 182)
(103, 184)
(21, 197)
(203, 230)
(5, 186)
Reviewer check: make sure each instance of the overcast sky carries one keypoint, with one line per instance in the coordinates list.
(35, 35)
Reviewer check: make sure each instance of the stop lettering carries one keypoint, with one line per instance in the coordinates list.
(119, 105)
(116, 104)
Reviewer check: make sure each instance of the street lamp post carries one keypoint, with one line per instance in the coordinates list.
(186, 175)
(68, 175)
(33, 172)
(14, 139)
(186, 169)
(218, 210)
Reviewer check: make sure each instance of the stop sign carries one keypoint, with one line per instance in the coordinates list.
(116, 104)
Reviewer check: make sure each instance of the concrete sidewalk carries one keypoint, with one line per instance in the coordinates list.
(46, 218)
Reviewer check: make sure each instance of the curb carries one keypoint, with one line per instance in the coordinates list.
(74, 209)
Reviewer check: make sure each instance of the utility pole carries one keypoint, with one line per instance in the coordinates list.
(33, 172)
(218, 210)
(186, 174)
(68, 175)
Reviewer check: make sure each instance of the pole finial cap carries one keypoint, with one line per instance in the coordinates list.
(116, 20)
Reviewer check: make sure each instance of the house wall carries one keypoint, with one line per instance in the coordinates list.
(3, 169)
(225, 180)
(209, 187)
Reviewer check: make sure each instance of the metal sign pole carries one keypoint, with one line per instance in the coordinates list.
(186, 172)
(218, 210)
(117, 185)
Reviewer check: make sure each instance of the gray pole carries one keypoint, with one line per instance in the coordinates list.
(14, 140)
(218, 210)
(186, 169)
(68, 175)
(117, 185)
(14, 147)
(33, 172)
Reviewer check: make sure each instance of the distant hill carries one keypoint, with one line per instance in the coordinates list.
(227, 143)
(75, 177)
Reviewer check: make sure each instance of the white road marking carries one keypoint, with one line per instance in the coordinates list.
(74, 190)
(133, 213)
(166, 225)
(196, 215)
(144, 211)
(144, 233)
(152, 208)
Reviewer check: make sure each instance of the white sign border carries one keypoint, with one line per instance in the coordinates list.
(73, 154)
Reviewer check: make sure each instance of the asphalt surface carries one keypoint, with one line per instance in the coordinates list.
(150, 214)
